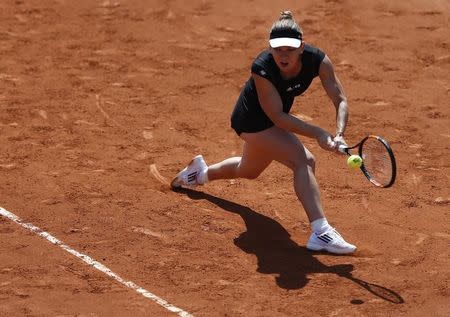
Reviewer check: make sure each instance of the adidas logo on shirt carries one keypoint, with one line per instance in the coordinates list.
(292, 88)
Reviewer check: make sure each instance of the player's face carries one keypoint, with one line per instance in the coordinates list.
(287, 58)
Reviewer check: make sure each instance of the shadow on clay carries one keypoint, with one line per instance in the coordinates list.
(277, 254)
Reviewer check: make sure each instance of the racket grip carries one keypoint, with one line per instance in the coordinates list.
(343, 149)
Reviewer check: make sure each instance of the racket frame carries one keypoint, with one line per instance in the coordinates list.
(362, 167)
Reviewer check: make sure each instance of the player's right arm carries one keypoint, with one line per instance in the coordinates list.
(271, 103)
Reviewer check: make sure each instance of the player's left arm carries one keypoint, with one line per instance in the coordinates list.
(335, 91)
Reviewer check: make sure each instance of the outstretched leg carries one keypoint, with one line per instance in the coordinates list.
(252, 163)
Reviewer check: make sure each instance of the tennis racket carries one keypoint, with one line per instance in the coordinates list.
(378, 160)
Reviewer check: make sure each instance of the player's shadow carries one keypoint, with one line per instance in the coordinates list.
(278, 254)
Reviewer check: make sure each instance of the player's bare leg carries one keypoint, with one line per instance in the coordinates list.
(284, 147)
(252, 163)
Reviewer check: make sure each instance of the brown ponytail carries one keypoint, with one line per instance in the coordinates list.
(286, 15)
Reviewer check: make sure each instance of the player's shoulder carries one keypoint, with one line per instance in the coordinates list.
(264, 58)
(264, 65)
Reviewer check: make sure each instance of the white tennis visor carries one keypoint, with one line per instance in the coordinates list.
(285, 41)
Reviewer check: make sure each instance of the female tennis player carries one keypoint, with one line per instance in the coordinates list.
(261, 119)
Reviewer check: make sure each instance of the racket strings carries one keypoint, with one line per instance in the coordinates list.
(377, 161)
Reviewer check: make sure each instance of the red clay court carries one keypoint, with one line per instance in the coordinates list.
(102, 102)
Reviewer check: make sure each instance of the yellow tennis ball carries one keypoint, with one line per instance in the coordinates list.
(354, 161)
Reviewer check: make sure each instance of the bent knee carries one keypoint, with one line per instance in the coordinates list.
(302, 160)
(248, 174)
(311, 160)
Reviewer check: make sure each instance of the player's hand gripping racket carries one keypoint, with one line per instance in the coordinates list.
(378, 160)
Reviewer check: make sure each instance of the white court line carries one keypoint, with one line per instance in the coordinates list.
(5, 213)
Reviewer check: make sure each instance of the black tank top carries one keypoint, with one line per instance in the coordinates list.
(248, 116)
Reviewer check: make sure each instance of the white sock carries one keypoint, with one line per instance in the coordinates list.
(202, 177)
(320, 225)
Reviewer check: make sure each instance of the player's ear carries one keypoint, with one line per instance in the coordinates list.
(302, 47)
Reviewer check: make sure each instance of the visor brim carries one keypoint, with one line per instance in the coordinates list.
(285, 41)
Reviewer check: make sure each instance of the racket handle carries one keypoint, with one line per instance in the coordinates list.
(343, 149)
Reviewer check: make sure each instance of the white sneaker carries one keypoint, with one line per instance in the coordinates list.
(330, 241)
(188, 176)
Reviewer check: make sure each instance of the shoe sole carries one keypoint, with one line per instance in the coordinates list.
(316, 247)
